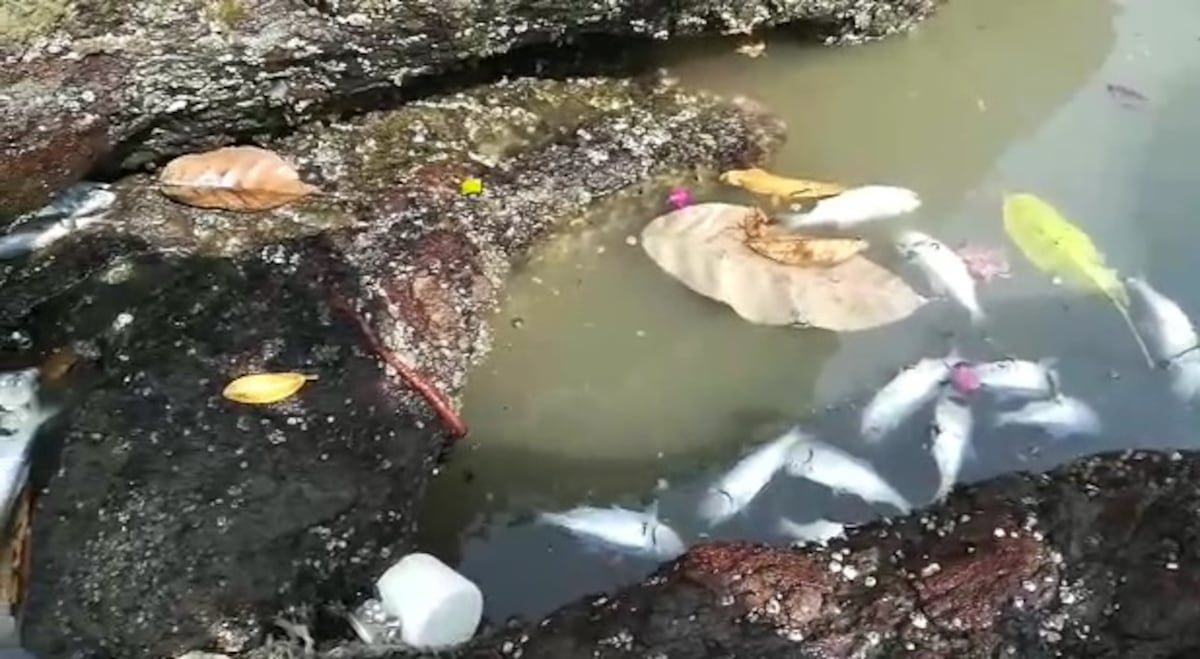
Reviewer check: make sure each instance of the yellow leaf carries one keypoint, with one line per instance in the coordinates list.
(782, 246)
(779, 188)
(235, 178)
(264, 388)
(472, 186)
(1057, 247)
(1060, 248)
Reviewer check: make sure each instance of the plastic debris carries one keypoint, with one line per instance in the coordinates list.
(436, 607)
(679, 198)
(964, 379)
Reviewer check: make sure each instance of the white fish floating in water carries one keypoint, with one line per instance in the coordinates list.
(911, 389)
(945, 270)
(1163, 325)
(854, 207)
(21, 415)
(76, 207)
(1184, 375)
(732, 492)
(819, 531)
(630, 531)
(1060, 417)
(951, 440)
(832, 467)
(1008, 379)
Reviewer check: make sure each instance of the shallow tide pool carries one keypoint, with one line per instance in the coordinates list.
(611, 383)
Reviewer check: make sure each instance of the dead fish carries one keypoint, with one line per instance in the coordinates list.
(21, 243)
(84, 199)
(640, 533)
(1007, 379)
(836, 469)
(76, 207)
(1184, 375)
(733, 491)
(1166, 329)
(819, 531)
(1060, 417)
(945, 270)
(911, 389)
(951, 440)
(854, 207)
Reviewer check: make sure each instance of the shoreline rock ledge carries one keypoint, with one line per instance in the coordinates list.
(94, 82)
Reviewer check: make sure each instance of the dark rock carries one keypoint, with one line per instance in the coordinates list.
(178, 520)
(1095, 559)
(80, 80)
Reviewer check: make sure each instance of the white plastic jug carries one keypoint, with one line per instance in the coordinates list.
(437, 607)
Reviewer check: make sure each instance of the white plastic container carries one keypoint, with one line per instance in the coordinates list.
(437, 607)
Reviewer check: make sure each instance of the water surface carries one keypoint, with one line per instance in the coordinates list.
(610, 383)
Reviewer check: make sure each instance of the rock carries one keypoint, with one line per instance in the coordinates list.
(1094, 559)
(87, 83)
(177, 520)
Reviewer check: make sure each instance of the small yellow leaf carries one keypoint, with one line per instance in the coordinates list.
(761, 182)
(264, 388)
(472, 186)
(235, 178)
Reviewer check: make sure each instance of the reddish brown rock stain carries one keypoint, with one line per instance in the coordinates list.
(970, 590)
(787, 587)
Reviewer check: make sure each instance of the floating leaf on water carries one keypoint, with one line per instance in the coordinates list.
(1060, 249)
(789, 248)
(265, 388)
(704, 247)
(754, 49)
(779, 188)
(236, 178)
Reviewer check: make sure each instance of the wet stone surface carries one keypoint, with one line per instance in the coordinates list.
(178, 520)
(88, 80)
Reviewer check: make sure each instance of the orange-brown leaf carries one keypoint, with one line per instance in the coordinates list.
(761, 182)
(782, 246)
(235, 178)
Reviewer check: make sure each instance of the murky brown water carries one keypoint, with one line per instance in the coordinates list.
(610, 380)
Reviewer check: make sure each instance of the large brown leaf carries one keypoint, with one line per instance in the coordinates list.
(703, 247)
(236, 178)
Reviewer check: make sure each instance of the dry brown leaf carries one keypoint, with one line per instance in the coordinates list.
(58, 364)
(703, 247)
(779, 188)
(236, 178)
(14, 561)
(787, 247)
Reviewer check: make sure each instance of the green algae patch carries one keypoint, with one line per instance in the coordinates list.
(24, 20)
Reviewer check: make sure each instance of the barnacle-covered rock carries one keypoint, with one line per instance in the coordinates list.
(85, 82)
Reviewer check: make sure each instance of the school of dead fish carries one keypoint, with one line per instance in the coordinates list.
(1020, 392)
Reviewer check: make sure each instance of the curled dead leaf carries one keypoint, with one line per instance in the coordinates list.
(265, 388)
(779, 188)
(703, 246)
(15, 561)
(235, 178)
(789, 248)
